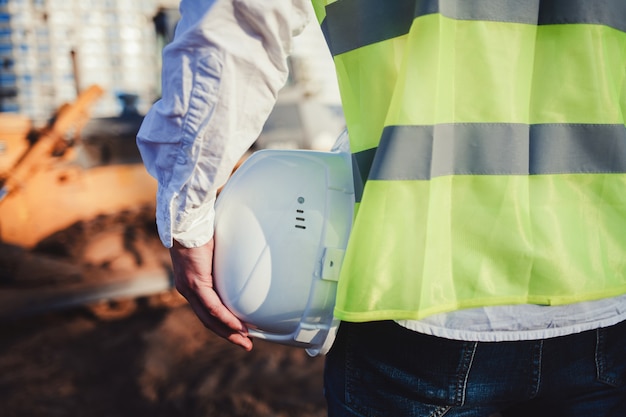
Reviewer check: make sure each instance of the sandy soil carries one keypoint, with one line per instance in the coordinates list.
(158, 361)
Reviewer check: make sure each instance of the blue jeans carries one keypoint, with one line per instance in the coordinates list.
(382, 369)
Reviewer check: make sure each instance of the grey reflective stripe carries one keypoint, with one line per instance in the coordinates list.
(351, 24)
(425, 152)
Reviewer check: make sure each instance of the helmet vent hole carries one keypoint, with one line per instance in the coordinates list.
(300, 219)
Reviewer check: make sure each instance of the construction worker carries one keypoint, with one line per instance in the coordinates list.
(485, 273)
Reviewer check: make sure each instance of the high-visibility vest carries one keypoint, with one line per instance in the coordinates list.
(490, 138)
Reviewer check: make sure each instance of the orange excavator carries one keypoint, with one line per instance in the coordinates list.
(76, 219)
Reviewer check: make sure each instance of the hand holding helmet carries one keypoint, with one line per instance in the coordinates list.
(193, 279)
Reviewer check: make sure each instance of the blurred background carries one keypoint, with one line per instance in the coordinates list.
(89, 322)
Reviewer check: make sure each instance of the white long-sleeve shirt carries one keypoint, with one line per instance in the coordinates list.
(220, 78)
(221, 75)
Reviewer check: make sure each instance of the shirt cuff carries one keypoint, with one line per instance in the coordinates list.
(199, 232)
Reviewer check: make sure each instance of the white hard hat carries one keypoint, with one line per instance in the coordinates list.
(281, 230)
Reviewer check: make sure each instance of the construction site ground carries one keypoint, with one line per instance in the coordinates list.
(157, 360)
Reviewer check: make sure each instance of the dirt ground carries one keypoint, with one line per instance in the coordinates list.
(158, 361)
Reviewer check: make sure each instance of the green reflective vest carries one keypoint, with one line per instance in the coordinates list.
(491, 142)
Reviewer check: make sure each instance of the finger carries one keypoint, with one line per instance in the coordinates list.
(205, 300)
(214, 306)
(217, 318)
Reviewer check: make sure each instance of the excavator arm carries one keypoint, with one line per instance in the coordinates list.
(69, 119)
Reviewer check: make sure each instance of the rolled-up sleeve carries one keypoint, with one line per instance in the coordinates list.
(220, 78)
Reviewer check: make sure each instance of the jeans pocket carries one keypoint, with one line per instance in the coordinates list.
(392, 371)
(611, 355)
